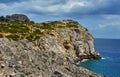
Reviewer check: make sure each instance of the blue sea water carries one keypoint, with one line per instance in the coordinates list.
(110, 63)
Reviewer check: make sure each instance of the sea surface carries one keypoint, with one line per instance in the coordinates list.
(110, 63)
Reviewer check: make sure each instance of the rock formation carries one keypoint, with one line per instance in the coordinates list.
(15, 17)
(54, 54)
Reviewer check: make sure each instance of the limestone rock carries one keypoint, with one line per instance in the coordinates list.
(53, 55)
(23, 59)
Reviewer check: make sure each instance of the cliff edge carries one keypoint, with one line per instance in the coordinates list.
(49, 49)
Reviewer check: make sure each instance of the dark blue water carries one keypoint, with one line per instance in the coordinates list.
(110, 63)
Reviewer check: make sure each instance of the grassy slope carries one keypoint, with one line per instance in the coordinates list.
(30, 30)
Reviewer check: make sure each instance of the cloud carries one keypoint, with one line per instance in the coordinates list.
(73, 4)
(109, 24)
(9, 1)
(49, 7)
(109, 21)
(60, 7)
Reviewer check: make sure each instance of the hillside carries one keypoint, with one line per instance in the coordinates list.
(48, 49)
(30, 30)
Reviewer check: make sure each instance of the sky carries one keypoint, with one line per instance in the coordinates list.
(101, 17)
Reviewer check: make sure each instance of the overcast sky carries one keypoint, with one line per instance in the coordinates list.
(101, 17)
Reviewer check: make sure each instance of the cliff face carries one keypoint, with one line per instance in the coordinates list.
(54, 54)
(74, 42)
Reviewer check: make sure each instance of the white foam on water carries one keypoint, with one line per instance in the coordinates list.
(104, 58)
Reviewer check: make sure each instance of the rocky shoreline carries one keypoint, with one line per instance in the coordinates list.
(54, 54)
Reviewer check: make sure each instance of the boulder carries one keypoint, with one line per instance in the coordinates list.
(18, 17)
(15, 17)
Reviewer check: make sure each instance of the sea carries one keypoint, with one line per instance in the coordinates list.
(109, 64)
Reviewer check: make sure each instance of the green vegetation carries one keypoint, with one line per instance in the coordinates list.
(13, 27)
(1, 36)
(71, 25)
(31, 30)
(46, 26)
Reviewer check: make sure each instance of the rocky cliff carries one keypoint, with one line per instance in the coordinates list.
(49, 49)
